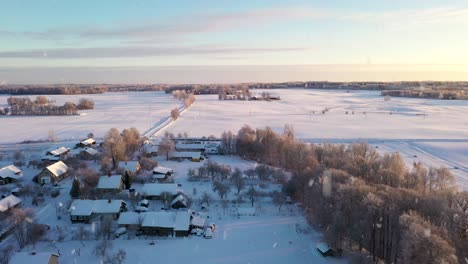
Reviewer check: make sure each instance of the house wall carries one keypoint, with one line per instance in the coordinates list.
(158, 231)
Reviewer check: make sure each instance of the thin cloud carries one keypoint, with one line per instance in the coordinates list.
(243, 20)
(138, 51)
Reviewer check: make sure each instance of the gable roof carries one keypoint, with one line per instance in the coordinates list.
(88, 207)
(37, 258)
(88, 142)
(110, 182)
(129, 165)
(180, 198)
(91, 151)
(182, 221)
(10, 171)
(162, 170)
(8, 202)
(131, 218)
(58, 168)
(59, 151)
(155, 189)
(186, 154)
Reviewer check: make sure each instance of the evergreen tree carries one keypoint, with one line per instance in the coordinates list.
(75, 189)
(127, 180)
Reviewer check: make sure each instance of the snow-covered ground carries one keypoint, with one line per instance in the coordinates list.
(434, 130)
(142, 110)
(271, 236)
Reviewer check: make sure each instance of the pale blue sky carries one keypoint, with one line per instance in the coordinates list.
(105, 34)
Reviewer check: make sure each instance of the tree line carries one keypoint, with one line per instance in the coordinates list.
(365, 201)
(43, 106)
(447, 94)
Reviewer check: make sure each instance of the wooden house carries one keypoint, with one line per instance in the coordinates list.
(92, 210)
(9, 174)
(110, 184)
(53, 173)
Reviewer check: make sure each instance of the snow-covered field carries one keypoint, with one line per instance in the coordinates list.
(436, 131)
(121, 110)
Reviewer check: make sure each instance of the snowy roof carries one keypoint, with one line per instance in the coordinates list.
(57, 168)
(131, 218)
(151, 149)
(27, 257)
(198, 221)
(91, 151)
(8, 202)
(186, 154)
(179, 198)
(110, 182)
(323, 247)
(59, 151)
(182, 221)
(162, 170)
(246, 210)
(88, 207)
(155, 189)
(159, 219)
(129, 165)
(10, 171)
(88, 142)
(183, 146)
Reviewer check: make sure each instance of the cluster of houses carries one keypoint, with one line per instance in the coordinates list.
(193, 149)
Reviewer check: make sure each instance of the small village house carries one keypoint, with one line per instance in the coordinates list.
(9, 174)
(180, 201)
(153, 191)
(186, 155)
(162, 173)
(56, 154)
(110, 184)
(173, 224)
(8, 203)
(34, 258)
(133, 167)
(92, 210)
(86, 143)
(53, 173)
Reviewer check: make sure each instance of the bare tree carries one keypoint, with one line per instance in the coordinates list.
(279, 199)
(238, 180)
(175, 113)
(114, 146)
(102, 247)
(206, 198)
(221, 188)
(252, 193)
(166, 147)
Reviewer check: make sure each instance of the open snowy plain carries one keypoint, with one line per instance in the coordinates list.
(434, 132)
(121, 110)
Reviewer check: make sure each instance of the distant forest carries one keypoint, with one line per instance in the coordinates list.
(427, 89)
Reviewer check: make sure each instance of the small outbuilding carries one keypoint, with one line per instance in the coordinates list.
(162, 173)
(325, 250)
(246, 211)
(86, 143)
